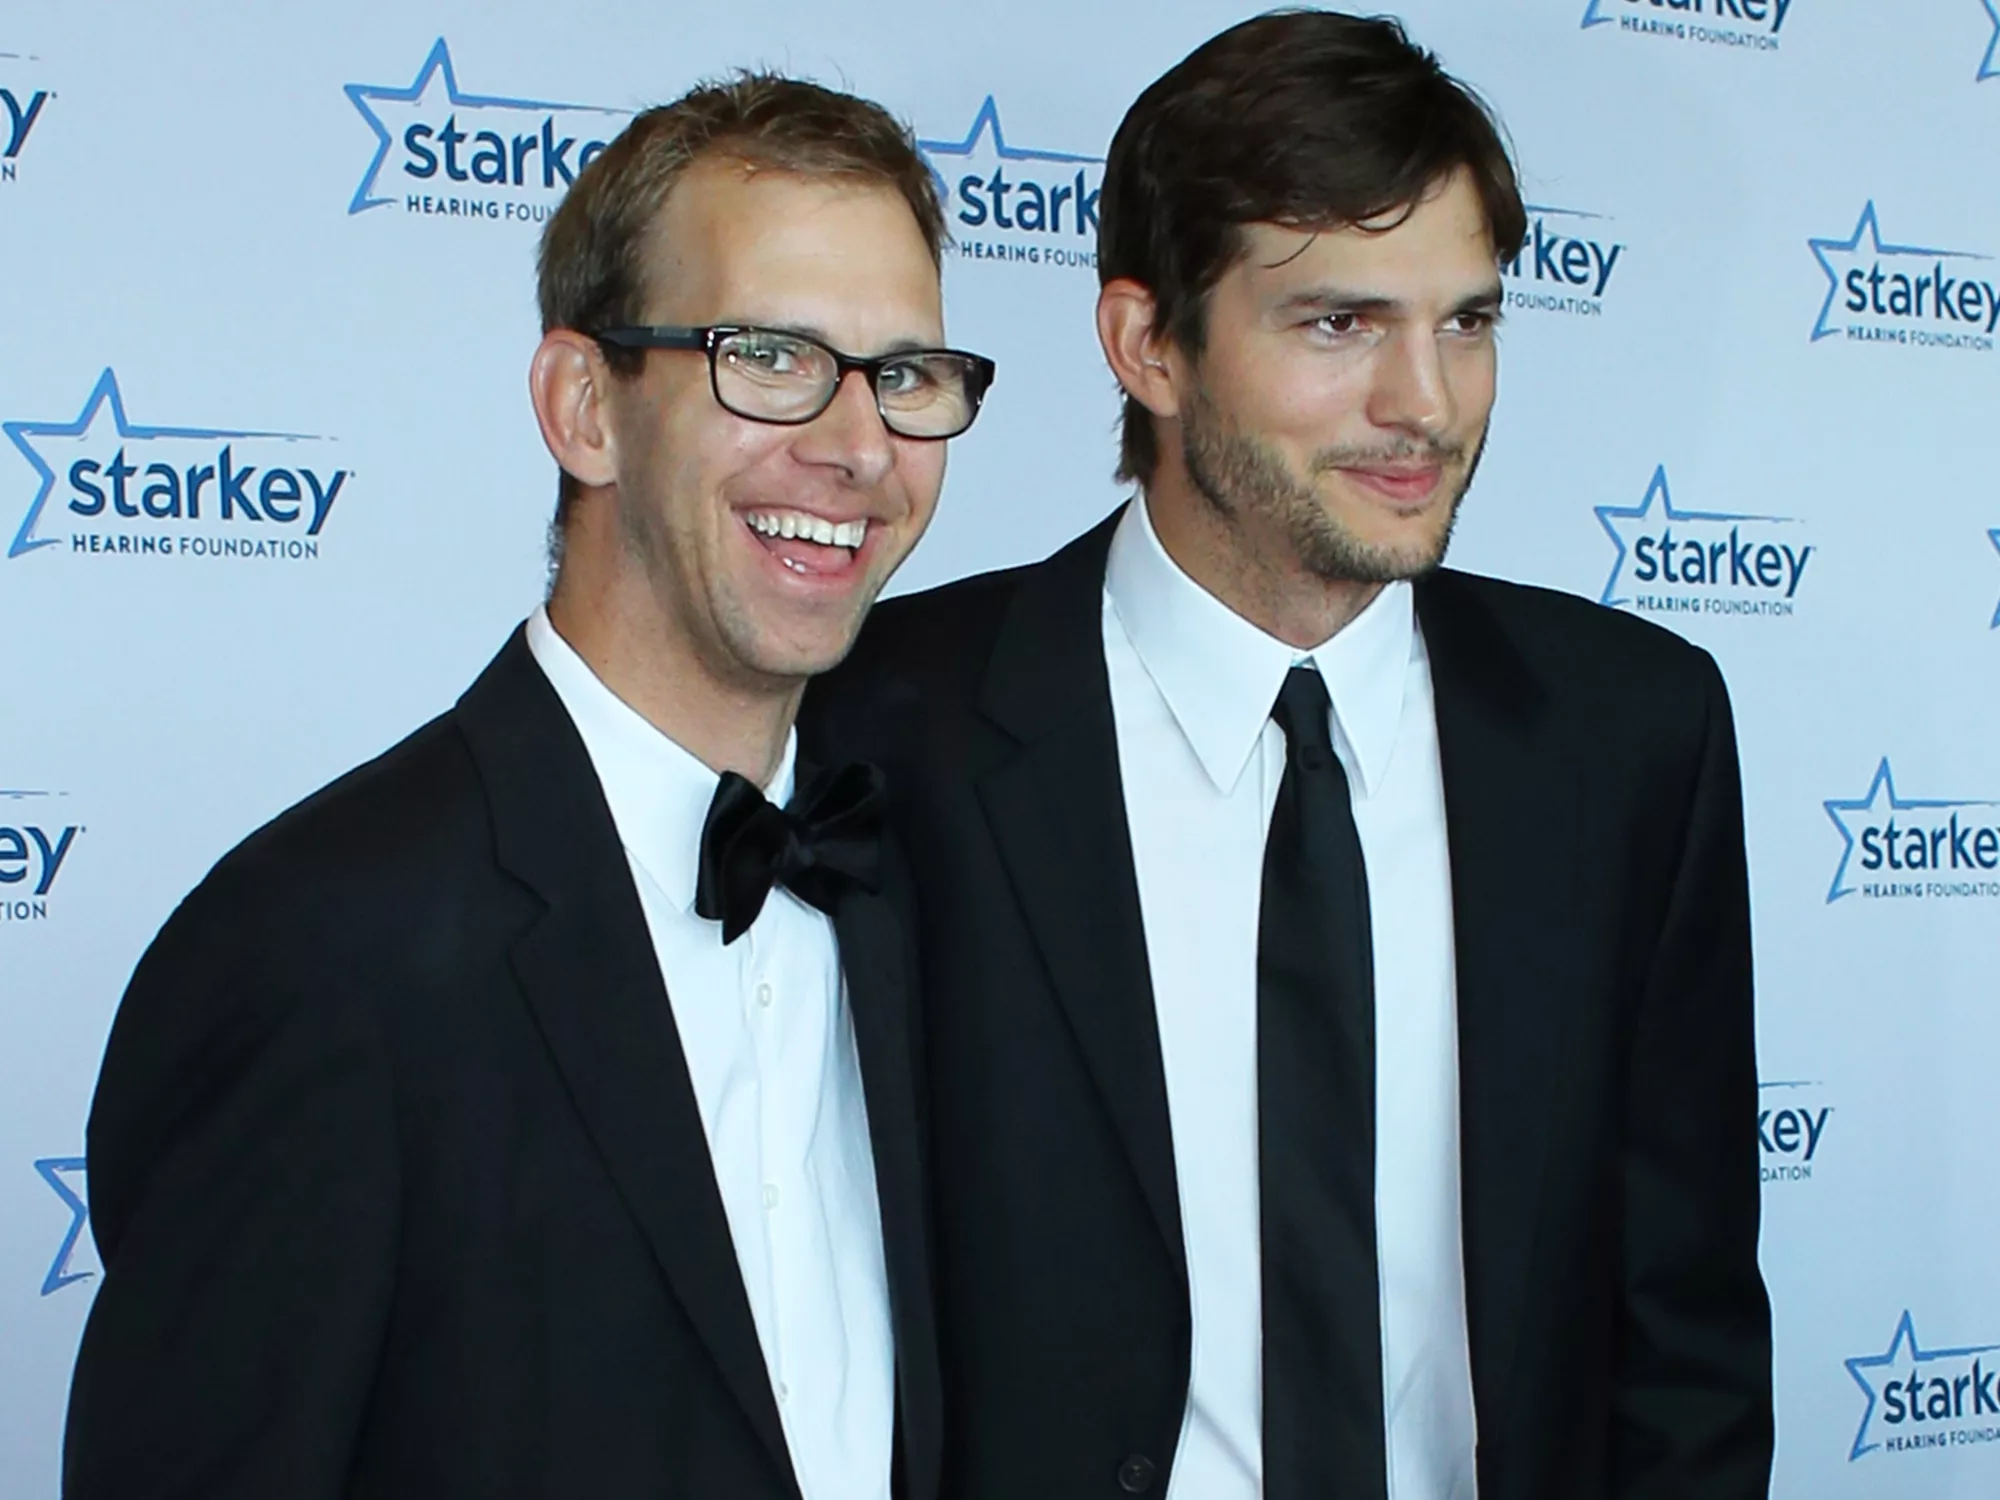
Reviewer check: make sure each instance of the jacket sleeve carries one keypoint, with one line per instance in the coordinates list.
(1693, 1414)
(244, 1198)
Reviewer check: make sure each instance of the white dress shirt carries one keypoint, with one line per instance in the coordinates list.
(769, 1041)
(1192, 687)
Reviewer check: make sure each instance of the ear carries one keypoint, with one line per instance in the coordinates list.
(567, 381)
(1146, 362)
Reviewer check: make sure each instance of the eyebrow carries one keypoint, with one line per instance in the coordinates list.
(1334, 299)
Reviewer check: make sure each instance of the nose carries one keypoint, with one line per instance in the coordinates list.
(1412, 388)
(849, 435)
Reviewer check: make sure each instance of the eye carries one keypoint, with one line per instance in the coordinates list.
(1472, 324)
(767, 354)
(1338, 324)
(904, 378)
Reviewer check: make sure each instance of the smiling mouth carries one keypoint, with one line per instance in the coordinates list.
(806, 544)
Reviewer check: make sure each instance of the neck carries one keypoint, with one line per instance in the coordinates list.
(1269, 587)
(643, 653)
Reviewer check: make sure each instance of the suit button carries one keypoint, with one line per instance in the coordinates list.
(1135, 1475)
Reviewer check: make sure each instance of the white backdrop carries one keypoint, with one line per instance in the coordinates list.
(270, 494)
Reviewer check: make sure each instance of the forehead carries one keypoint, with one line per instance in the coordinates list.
(1439, 249)
(842, 254)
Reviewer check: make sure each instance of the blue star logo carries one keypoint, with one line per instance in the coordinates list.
(1880, 797)
(54, 1170)
(436, 67)
(1593, 15)
(1903, 1349)
(1609, 517)
(103, 397)
(1870, 226)
(1989, 66)
(986, 123)
(1993, 536)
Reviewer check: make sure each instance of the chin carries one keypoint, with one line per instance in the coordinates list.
(798, 657)
(1339, 555)
(1413, 559)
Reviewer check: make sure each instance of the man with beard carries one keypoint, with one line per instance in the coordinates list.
(1336, 969)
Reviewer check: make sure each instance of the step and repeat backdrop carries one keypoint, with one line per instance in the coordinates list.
(270, 494)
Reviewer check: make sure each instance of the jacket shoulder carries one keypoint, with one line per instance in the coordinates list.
(1566, 640)
(363, 863)
(394, 818)
(927, 649)
(938, 632)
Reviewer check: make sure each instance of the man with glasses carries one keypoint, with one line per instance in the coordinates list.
(531, 1112)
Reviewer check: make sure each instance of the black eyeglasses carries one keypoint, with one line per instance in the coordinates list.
(770, 375)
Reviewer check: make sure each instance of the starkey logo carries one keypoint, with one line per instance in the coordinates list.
(1791, 1126)
(1897, 848)
(106, 486)
(1923, 1400)
(1672, 562)
(1016, 205)
(1989, 65)
(441, 152)
(22, 106)
(74, 1260)
(37, 837)
(1909, 296)
(1565, 265)
(1748, 25)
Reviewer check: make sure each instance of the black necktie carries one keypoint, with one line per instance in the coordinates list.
(829, 837)
(1323, 1427)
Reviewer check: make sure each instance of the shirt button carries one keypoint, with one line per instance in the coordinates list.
(1135, 1475)
(784, 1391)
(764, 996)
(770, 1195)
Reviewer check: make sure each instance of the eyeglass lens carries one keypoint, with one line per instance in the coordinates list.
(778, 377)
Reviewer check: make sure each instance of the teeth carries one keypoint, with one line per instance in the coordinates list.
(792, 523)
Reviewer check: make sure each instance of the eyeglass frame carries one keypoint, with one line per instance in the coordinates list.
(709, 339)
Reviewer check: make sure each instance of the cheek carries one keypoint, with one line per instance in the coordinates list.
(1474, 376)
(1286, 392)
(920, 473)
(724, 462)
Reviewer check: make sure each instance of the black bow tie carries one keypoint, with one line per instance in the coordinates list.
(828, 838)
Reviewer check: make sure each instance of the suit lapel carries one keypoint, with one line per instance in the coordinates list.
(1509, 812)
(1056, 805)
(873, 955)
(592, 979)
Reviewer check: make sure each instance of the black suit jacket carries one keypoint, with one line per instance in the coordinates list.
(396, 1169)
(1618, 1324)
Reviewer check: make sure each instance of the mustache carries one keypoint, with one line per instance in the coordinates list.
(1405, 451)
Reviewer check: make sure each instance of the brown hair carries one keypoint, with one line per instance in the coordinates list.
(1307, 118)
(590, 274)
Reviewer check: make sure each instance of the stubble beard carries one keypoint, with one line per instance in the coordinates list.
(1241, 476)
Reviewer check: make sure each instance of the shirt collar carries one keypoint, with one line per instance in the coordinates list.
(658, 791)
(1220, 674)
